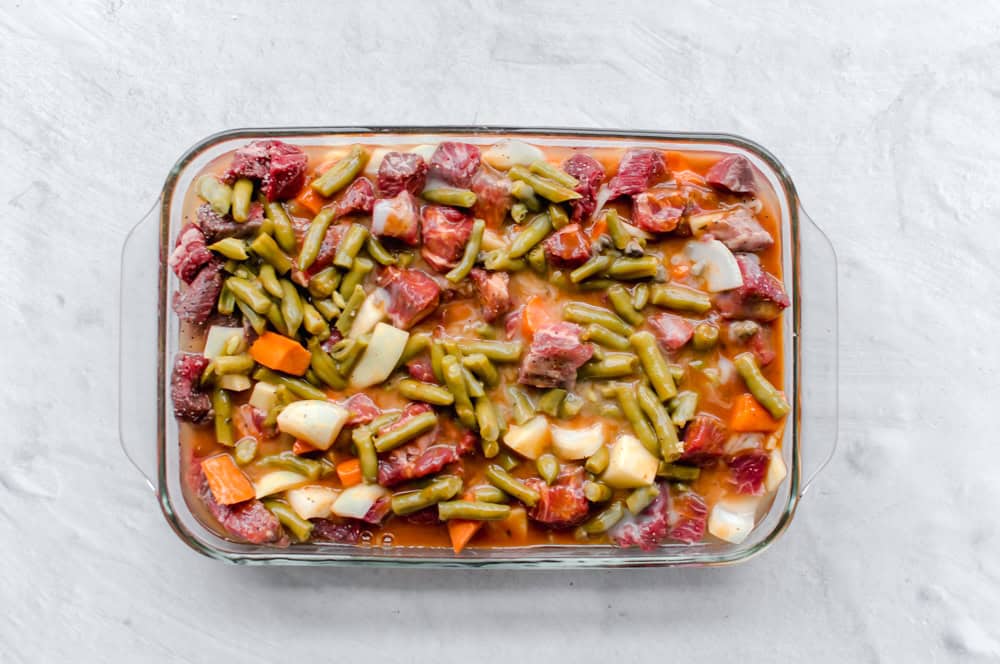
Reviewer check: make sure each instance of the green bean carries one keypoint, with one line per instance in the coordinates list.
(472, 510)
(378, 251)
(597, 463)
(498, 351)
(242, 196)
(523, 409)
(284, 233)
(350, 311)
(499, 261)
(641, 498)
(604, 521)
(313, 240)
(352, 354)
(555, 192)
(461, 271)
(291, 307)
(595, 265)
(596, 492)
(571, 406)
(324, 282)
(223, 407)
(558, 216)
(518, 211)
(629, 402)
(230, 247)
(454, 379)
(451, 347)
(680, 298)
(309, 468)
(547, 466)
(355, 276)
(683, 407)
(640, 296)
(586, 314)
(437, 354)
(760, 387)
(339, 299)
(242, 270)
(406, 431)
(506, 482)
(341, 173)
(655, 365)
(227, 301)
(416, 390)
(235, 345)
(256, 321)
(249, 292)
(462, 198)
(532, 233)
(245, 450)
(312, 378)
(367, 456)
(677, 372)
(536, 259)
(635, 268)
(489, 448)
(549, 402)
(610, 410)
(313, 322)
(296, 386)
(440, 489)
(614, 365)
(524, 193)
(546, 170)
(670, 447)
(673, 471)
(705, 337)
(622, 304)
(473, 385)
(327, 309)
(269, 251)
(350, 245)
(233, 364)
(619, 236)
(276, 319)
(417, 343)
(324, 367)
(269, 280)
(300, 528)
(605, 337)
(508, 461)
(487, 493)
(486, 415)
(481, 366)
(218, 194)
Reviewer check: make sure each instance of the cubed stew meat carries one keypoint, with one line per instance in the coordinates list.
(475, 345)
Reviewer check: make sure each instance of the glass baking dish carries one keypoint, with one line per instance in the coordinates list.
(149, 340)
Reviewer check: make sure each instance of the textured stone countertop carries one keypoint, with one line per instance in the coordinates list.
(887, 116)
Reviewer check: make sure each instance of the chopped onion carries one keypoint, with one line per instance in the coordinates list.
(355, 502)
(277, 481)
(573, 444)
(312, 501)
(371, 313)
(426, 151)
(380, 358)
(732, 519)
(511, 152)
(776, 471)
(721, 271)
(316, 421)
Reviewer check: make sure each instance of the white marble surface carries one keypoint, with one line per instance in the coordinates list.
(886, 114)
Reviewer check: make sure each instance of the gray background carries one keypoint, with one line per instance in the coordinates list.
(887, 115)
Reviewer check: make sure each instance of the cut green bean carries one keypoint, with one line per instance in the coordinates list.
(532, 233)
(269, 251)
(635, 268)
(417, 343)
(233, 364)
(547, 466)
(324, 367)
(621, 302)
(670, 446)
(269, 280)
(313, 240)
(324, 282)
(341, 173)
(223, 408)
(416, 390)
(498, 351)
(256, 321)
(242, 197)
(619, 236)
(462, 198)
(683, 407)
(597, 264)
(629, 402)
(350, 245)
(586, 314)
(486, 416)
(571, 406)
(296, 386)
(641, 498)
(313, 322)
(454, 379)
(499, 261)
(472, 510)
(602, 335)
(440, 489)
(760, 387)
(597, 463)
(300, 528)
(230, 247)
(677, 372)
(461, 271)
(654, 364)
(276, 319)
(227, 301)
(378, 251)
(506, 482)
(472, 384)
(524, 193)
(291, 307)
(558, 216)
(245, 450)
(327, 309)
(309, 468)
(350, 311)
(596, 492)
(508, 461)
(549, 402)
(680, 298)
(249, 292)
(487, 493)
(522, 407)
(604, 520)
(284, 232)
(367, 456)
(481, 366)
(518, 211)
(353, 353)
(544, 187)
(536, 259)
(640, 296)
(489, 448)
(673, 471)
(546, 170)
(614, 365)
(218, 194)
(405, 432)
(705, 336)
(361, 268)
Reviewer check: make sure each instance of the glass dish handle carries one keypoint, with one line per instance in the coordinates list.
(818, 274)
(137, 346)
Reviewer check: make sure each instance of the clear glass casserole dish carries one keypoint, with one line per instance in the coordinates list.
(149, 432)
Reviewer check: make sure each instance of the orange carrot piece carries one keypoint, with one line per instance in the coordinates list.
(599, 228)
(749, 415)
(310, 200)
(226, 481)
(535, 315)
(301, 447)
(349, 472)
(461, 531)
(280, 353)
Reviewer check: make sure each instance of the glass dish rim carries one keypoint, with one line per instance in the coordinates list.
(529, 557)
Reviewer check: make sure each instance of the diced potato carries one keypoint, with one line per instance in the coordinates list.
(513, 529)
(719, 266)
(277, 481)
(380, 358)
(776, 471)
(732, 519)
(264, 396)
(357, 500)
(530, 439)
(315, 421)
(312, 501)
(630, 465)
(235, 382)
(426, 151)
(374, 161)
(511, 152)
(216, 339)
(578, 443)
(371, 313)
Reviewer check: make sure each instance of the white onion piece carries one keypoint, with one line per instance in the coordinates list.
(381, 355)
(371, 313)
(511, 152)
(312, 501)
(776, 471)
(719, 266)
(316, 421)
(574, 444)
(744, 442)
(603, 194)
(426, 151)
(374, 161)
(355, 502)
(277, 481)
(732, 519)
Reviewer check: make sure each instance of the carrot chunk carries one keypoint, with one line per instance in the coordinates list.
(301, 447)
(349, 472)
(461, 531)
(536, 315)
(280, 353)
(310, 200)
(226, 481)
(749, 415)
